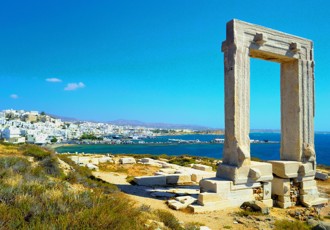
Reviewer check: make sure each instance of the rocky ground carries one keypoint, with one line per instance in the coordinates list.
(234, 218)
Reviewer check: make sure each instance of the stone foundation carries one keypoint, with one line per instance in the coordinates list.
(236, 187)
(294, 184)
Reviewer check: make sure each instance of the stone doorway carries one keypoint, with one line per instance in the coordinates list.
(238, 176)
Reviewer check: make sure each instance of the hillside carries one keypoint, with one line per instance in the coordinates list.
(40, 191)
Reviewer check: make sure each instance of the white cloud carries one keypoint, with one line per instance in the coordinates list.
(74, 86)
(14, 96)
(53, 79)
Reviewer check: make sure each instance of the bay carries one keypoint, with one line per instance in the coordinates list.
(264, 151)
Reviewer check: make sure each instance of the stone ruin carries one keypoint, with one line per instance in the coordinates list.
(284, 182)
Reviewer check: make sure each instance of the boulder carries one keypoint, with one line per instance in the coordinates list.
(127, 160)
(321, 176)
(256, 206)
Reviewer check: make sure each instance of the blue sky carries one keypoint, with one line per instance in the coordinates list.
(154, 61)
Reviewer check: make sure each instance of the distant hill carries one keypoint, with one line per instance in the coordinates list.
(159, 125)
(134, 123)
(68, 119)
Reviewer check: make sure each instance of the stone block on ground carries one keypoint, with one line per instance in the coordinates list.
(181, 202)
(150, 180)
(198, 176)
(204, 228)
(127, 160)
(185, 191)
(186, 199)
(92, 166)
(315, 202)
(208, 198)
(178, 179)
(309, 198)
(202, 167)
(176, 205)
(321, 176)
(94, 161)
(215, 185)
(106, 160)
(146, 161)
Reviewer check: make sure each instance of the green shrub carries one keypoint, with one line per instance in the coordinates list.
(17, 164)
(84, 176)
(168, 219)
(193, 226)
(292, 225)
(35, 151)
(182, 160)
(130, 179)
(33, 197)
(51, 166)
(244, 213)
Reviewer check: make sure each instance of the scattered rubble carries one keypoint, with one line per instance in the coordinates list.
(255, 222)
(318, 225)
(304, 214)
(181, 202)
(321, 176)
(95, 160)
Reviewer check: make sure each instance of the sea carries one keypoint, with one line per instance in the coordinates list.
(264, 151)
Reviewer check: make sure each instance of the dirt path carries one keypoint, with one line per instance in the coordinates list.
(214, 220)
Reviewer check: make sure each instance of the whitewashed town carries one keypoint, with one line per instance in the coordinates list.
(19, 126)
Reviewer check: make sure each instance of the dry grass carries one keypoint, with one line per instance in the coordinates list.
(11, 150)
(130, 169)
(36, 195)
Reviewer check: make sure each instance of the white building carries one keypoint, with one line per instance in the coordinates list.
(11, 132)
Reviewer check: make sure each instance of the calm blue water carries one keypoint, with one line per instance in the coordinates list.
(262, 151)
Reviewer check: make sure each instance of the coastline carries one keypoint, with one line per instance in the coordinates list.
(55, 146)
